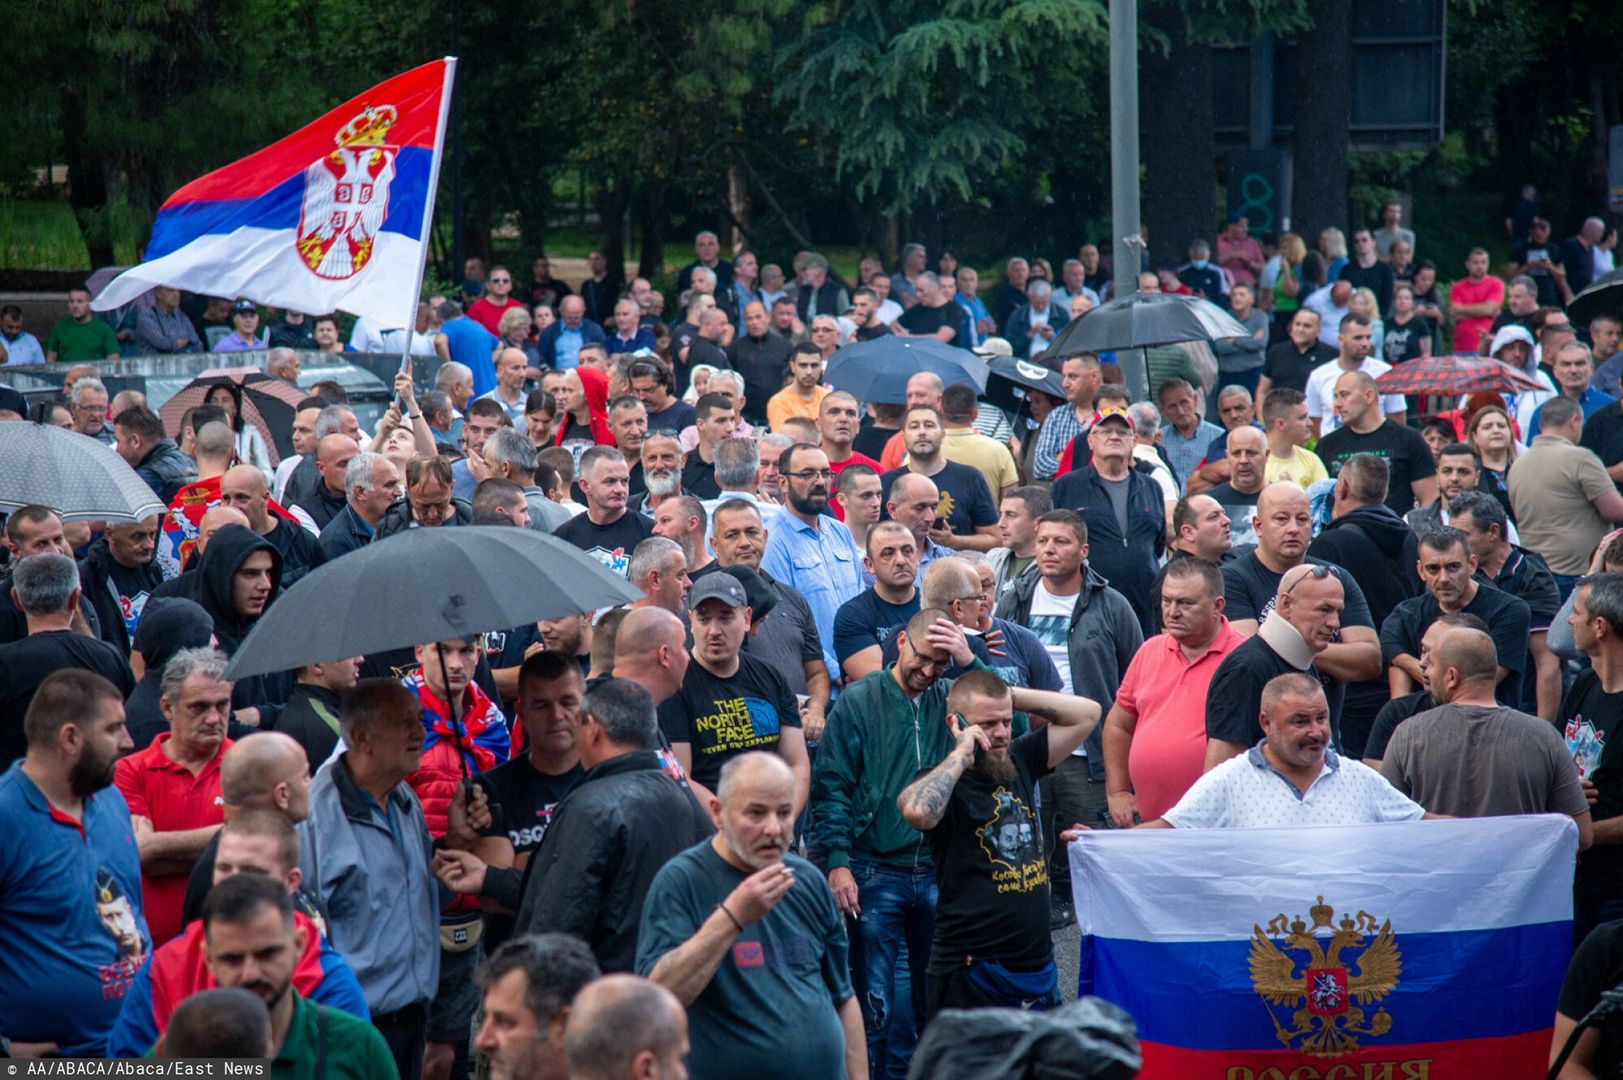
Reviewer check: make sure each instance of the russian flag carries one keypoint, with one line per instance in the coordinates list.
(1412, 949)
(333, 217)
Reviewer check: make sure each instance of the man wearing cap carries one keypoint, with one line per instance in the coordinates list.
(730, 702)
(244, 321)
(1123, 508)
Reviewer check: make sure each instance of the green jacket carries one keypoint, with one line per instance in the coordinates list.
(875, 742)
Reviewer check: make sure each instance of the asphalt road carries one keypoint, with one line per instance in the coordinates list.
(1066, 944)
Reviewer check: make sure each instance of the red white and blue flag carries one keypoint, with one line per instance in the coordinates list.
(333, 217)
(1425, 948)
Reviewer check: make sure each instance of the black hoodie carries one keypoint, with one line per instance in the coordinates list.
(227, 550)
(1375, 546)
(167, 626)
(94, 570)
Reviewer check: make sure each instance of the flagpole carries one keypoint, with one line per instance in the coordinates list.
(428, 207)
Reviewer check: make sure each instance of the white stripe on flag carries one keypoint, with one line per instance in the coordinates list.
(1426, 876)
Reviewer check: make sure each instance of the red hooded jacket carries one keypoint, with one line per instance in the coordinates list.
(596, 386)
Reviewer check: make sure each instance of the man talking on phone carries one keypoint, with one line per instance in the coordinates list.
(977, 811)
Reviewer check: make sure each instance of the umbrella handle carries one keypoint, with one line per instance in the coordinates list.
(456, 724)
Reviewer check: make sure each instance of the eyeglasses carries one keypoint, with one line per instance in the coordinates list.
(1317, 571)
(805, 475)
(501, 281)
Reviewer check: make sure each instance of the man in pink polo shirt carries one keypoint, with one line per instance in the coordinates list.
(1155, 736)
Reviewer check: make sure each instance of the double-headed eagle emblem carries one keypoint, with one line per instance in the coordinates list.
(346, 196)
(1326, 989)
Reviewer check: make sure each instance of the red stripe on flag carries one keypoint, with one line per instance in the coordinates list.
(414, 94)
(1525, 1055)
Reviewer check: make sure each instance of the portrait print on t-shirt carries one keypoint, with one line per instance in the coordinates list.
(1013, 844)
(117, 916)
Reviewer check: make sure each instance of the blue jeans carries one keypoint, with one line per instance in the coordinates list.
(898, 907)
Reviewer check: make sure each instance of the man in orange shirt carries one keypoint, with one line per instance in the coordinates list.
(1474, 301)
(1155, 736)
(805, 391)
(173, 786)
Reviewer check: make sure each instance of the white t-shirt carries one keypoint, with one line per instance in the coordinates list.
(1039, 318)
(889, 311)
(1051, 622)
(1321, 392)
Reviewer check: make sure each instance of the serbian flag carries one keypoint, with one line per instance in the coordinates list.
(1411, 949)
(333, 217)
(178, 536)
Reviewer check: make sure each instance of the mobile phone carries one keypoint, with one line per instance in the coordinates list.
(963, 725)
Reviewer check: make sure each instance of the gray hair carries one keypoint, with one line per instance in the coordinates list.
(910, 249)
(1233, 390)
(704, 270)
(1200, 247)
(279, 358)
(1037, 287)
(650, 554)
(929, 278)
(89, 382)
(1605, 597)
(508, 447)
(434, 401)
(331, 420)
(737, 462)
(358, 473)
(1016, 261)
(450, 373)
(45, 583)
(625, 711)
(733, 377)
(749, 760)
(1146, 418)
(1482, 508)
(205, 660)
(945, 581)
(1526, 282)
(777, 441)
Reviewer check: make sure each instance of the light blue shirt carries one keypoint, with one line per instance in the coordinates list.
(1187, 454)
(513, 409)
(977, 311)
(821, 561)
(568, 348)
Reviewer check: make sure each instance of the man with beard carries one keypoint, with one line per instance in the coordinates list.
(47, 590)
(977, 810)
(606, 531)
(715, 915)
(663, 463)
(251, 942)
(173, 786)
(808, 550)
(528, 986)
(71, 911)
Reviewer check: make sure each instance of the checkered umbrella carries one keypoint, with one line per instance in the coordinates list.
(80, 478)
(268, 403)
(1455, 375)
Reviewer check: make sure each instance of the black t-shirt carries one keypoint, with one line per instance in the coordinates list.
(871, 439)
(673, 417)
(991, 867)
(866, 620)
(1603, 434)
(868, 333)
(919, 319)
(1523, 252)
(1250, 588)
(133, 590)
(1240, 508)
(722, 718)
(965, 502)
(1597, 966)
(699, 478)
(1406, 454)
(1507, 618)
(1377, 279)
(1590, 719)
(521, 801)
(25, 664)
(610, 545)
(1234, 698)
(575, 431)
(1402, 341)
(1287, 367)
(1392, 714)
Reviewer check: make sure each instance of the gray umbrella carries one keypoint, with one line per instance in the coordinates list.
(422, 586)
(1143, 320)
(79, 477)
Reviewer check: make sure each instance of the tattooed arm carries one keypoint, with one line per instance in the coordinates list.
(923, 803)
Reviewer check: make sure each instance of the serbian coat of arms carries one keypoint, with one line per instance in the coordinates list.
(346, 196)
(1327, 974)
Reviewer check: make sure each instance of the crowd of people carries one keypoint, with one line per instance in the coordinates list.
(810, 788)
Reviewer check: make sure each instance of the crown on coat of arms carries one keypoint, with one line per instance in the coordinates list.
(368, 128)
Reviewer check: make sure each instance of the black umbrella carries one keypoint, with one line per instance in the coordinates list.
(878, 370)
(1008, 373)
(422, 586)
(1143, 320)
(1604, 296)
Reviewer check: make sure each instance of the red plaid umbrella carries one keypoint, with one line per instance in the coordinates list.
(268, 403)
(1455, 375)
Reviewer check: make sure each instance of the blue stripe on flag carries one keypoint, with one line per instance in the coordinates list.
(1460, 985)
(278, 208)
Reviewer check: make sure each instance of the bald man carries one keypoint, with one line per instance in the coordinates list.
(1247, 460)
(915, 503)
(333, 455)
(625, 1028)
(650, 649)
(717, 904)
(213, 520)
(511, 365)
(1471, 756)
(1365, 430)
(244, 488)
(267, 771)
